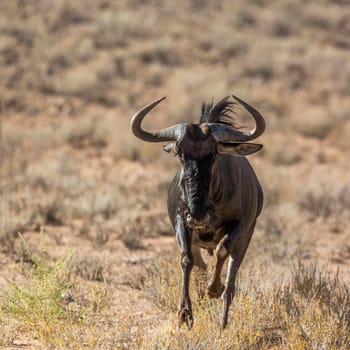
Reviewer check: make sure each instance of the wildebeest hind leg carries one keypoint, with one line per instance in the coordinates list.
(197, 257)
(215, 287)
(234, 263)
(222, 251)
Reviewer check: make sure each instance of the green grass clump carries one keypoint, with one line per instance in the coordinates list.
(47, 309)
(35, 303)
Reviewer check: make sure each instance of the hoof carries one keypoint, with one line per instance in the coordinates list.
(223, 324)
(215, 291)
(185, 316)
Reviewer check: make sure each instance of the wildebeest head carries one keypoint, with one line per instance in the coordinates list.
(198, 145)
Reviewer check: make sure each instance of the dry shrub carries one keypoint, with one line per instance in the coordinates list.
(221, 44)
(161, 51)
(100, 202)
(121, 145)
(257, 66)
(311, 310)
(79, 81)
(64, 13)
(48, 210)
(144, 216)
(76, 75)
(8, 51)
(9, 226)
(132, 230)
(101, 235)
(35, 210)
(331, 71)
(246, 18)
(313, 122)
(55, 197)
(282, 150)
(285, 156)
(79, 50)
(296, 75)
(116, 28)
(277, 183)
(8, 235)
(317, 18)
(132, 238)
(327, 200)
(283, 25)
(86, 132)
(339, 137)
(84, 49)
(279, 234)
(156, 74)
(161, 278)
(284, 20)
(190, 89)
(91, 267)
(17, 29)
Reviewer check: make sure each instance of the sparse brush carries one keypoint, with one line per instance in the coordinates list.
(326, 200)
(88, 266)
(43, 307)
(314, 122)
(36, 303)
(132, 240)
(101, 236)
(132, 231)
(309, 311)
(86, 133)
(162, 278)
(8, 236)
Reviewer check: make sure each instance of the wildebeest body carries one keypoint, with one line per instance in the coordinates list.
(215, 197)
(235, 196)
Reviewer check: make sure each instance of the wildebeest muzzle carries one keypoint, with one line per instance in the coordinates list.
(198, 222)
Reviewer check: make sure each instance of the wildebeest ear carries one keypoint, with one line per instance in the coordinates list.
(171, 147)
(239, 149)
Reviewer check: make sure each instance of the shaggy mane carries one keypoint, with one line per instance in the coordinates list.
(222, 112)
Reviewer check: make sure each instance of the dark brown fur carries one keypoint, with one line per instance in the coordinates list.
(222, 187)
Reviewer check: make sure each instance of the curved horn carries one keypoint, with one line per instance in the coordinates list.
(226, 133)
(169, 134)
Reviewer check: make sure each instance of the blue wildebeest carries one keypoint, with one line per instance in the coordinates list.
(215, 197)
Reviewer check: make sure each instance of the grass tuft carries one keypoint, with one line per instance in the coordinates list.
(36, 303)
(311, 310)
(47, 306)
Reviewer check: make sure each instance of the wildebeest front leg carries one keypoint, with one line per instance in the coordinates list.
(197, 257)
(184, 239)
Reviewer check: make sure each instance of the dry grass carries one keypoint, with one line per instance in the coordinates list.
(48, 305)
(309, 311)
